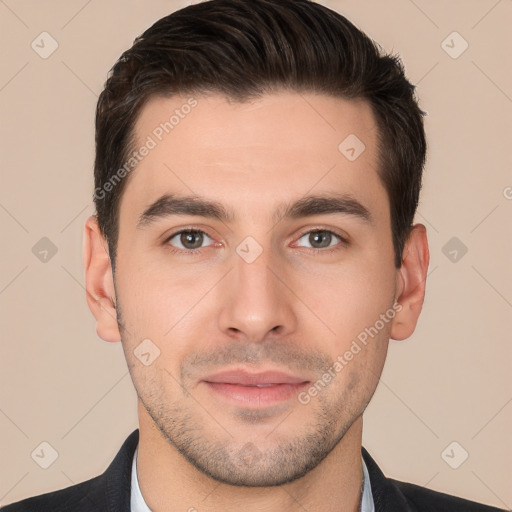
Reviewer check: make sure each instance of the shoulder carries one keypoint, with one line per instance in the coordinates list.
(81, 497)
(109, 491)
(392, 495)
(426, 500)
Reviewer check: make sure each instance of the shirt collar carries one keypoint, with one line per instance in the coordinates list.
(137, 503)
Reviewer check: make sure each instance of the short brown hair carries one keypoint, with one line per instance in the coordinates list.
(243, 49)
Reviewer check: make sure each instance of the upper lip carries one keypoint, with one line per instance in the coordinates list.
(246, 378)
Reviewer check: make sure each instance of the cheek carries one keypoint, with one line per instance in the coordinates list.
(155, 294)
(350, 297)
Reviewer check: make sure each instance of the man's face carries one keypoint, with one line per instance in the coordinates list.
(257, 291)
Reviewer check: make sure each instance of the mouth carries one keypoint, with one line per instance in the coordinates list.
(255, 390)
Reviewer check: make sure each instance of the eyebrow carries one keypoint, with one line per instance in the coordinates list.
(171, 204)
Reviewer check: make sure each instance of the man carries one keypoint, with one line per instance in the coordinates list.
(258, 166)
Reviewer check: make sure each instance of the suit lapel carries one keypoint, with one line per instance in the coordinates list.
(386, 495)
(118, 476)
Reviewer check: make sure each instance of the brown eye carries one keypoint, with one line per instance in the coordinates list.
(189, 239)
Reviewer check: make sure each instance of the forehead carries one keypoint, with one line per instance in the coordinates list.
(250, 155)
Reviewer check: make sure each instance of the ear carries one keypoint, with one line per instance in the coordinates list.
(411, 279)
(99, 282)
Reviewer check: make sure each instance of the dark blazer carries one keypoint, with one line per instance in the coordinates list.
(110, 492)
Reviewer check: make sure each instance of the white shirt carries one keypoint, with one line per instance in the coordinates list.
(137, 503)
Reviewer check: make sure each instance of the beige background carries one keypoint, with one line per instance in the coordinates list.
(61, 384)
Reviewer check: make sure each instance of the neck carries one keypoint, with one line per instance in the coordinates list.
(169, 483)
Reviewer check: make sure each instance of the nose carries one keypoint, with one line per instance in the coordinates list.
(257, 300)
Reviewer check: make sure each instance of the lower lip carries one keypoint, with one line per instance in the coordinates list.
(255, 396)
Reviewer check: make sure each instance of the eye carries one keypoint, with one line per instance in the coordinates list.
(322, 239)
(188, 239)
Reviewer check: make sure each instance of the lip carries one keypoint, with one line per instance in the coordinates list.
(245, 378)
(241, 387)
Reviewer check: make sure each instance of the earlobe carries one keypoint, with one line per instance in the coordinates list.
(411, 283)
(99, 282)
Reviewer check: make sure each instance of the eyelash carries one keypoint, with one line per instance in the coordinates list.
(193, 252)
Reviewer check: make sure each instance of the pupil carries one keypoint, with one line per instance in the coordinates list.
(320, 236)
(187, 239)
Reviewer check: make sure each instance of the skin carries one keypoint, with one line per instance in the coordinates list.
(291, 309)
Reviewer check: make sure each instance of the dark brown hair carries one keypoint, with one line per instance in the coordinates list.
(243, 49)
